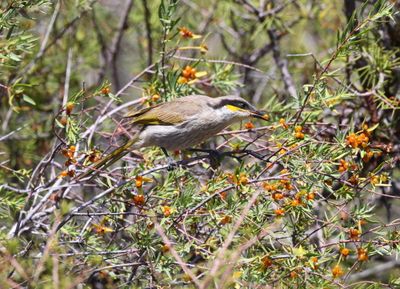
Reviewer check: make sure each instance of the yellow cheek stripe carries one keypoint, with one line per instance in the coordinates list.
(232, 107)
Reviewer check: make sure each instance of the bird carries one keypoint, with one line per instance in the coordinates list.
(180, 124)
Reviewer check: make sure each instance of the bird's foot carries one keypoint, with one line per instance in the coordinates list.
(214, 156)
(170, 161)
(171, 164)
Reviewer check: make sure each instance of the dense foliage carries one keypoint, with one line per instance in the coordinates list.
(308, 199)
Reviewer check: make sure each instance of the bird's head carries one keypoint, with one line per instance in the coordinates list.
(239, 107)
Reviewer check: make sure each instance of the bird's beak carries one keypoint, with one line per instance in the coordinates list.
(259, 114)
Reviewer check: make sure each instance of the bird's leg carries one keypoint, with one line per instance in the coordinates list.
(214, 156)
(170, 161)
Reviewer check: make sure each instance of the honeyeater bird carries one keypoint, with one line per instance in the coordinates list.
(179, 124)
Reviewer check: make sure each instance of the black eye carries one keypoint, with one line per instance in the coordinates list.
(241, 105)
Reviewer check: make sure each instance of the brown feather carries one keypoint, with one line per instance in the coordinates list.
(168, 113)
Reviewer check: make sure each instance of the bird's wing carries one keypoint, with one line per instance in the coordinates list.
(168, 113)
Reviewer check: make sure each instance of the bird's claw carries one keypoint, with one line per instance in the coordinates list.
(214, 156)
(171, 164)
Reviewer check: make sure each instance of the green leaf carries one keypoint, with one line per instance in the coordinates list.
(28, 99)
(14, 57)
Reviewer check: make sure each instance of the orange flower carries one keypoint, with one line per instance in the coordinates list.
(345, 252)
(298, 128)
(362, 222)
(362, 254)
(249, 125)
(354, 234)
(351, 140)
(240, 180)
(368, 155)
(139, 180)
(93, 156)
(284, 172)
(356, 141)
(310, 196)
(101, 229)
(69, 153)
(265, 116)
(243, 180)
(189, 72)
(270, 187)
(363, 140)
(166, 211)
(279, 212)
(343, 166)
(105, 90)
(155, 97)
(295, 202)
(165, 248)
(298, 132)
(64, 121)
(71, 173)
(266, 262)
(186, 33)
(69, 107)
(373, 179)
(314, 259)
(282, 151)
(183, 80)
(314, 263)
(277, 196)
(138, 200)
(299, 135)
(225, 220)
(354, 180)
(63, 174)
(337, 271)
(283, 123)
(286, 183)
(189, 75)
(223, 195)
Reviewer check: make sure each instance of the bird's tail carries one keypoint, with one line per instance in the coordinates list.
(108, 160)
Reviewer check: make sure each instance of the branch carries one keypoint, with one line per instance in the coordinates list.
(147, 18)
(116, 44)
(376, 270)
(282, 64)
